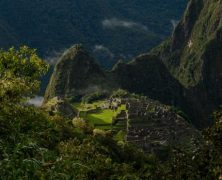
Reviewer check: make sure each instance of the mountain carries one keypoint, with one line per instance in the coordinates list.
(135, 121)
(76, 73)
(192, 56)
(110, 29)
(185, 70)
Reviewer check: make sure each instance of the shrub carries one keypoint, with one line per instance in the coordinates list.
(120, 93)
(79, 123)
(99, 132)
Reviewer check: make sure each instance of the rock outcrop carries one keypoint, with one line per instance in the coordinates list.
(58, 106)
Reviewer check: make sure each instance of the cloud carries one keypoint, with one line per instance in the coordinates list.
(174, 23)
(100, 49)
(114, 23)
(36, 101)
(54, 56)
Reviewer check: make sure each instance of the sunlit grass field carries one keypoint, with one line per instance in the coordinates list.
(100, 118)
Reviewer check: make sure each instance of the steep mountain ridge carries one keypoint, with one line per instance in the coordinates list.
(193, 39)
(185, 70)
(76, 74)
(109, 29)
(147, 75)
(193, 58)
(195, 55)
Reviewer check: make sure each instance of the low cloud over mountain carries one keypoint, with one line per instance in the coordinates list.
(104, 50)
(36, 101)
(114, 23)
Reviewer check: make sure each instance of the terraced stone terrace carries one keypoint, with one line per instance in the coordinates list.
(146, 123)
(152, 126)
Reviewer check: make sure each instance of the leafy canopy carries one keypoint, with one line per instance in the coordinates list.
(20, 73)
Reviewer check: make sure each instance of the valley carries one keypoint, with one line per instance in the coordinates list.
(109, 29)
(155, 116)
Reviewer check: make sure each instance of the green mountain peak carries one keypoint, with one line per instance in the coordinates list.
(74, 74)
(184, 71)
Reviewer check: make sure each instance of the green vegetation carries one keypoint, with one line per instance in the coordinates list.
(35, 145)
(80, 106)
(103, 117)
(88, 79)
(120, 136)
(120, 93)
(95, 96)
(20, 73)
(95, 115)
(203, 163)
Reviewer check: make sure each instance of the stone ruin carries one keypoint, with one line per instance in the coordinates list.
(151, 126)
(122, 116)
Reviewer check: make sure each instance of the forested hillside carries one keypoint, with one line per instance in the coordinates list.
(111, 29)
(39, 144)
(157, 117)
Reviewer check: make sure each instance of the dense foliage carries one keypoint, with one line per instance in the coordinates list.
(20, 72)
(34, 145)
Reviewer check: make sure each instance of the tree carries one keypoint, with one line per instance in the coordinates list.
(20, 73)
